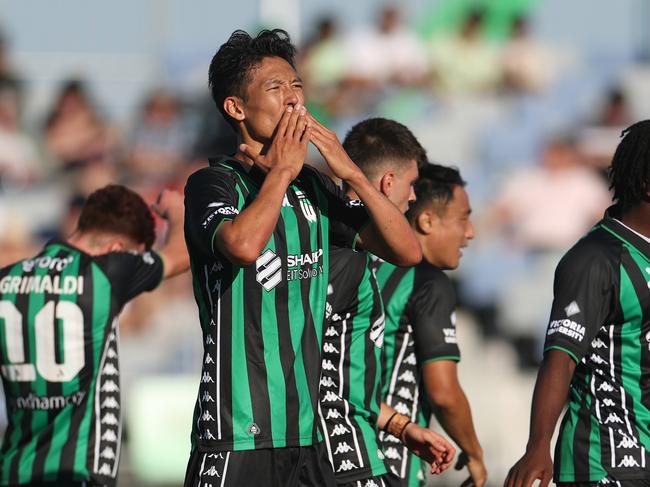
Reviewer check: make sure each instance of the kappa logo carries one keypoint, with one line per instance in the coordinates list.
(392, 453)
(328, 365)
(111, 353)
(605, 387)
(402, 408)
(269, 270)
(598, 343)
(597, 359)
(405, 393)
(331, 397)
(410, 359)
(209, 340)
(613, 418)
(110, 403)
(333, 414)
(108, 453)
(371, 483)
(572, 309)
(109, 369)
(377, 331)
(354, 203)
(327, 382)
(285, 202)
(343, 448)
(329, 348)
(109, 435)
(207, 378)
(647, 339)
(208, 435)
(628, 462)
(208, 359)
(110, 386)
(331, 332)
(339, 430)
(207, 397)
(608, 402)
(306, 206)
(627, 442)
(110, 419)
(346, 466)
(207, 416)
(408, 376)
(212, 472)
(105, 469)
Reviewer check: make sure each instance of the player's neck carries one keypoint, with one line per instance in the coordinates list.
(257, 147)
(638, 218)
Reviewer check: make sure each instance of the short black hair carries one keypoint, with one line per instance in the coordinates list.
(373, 143)
(230, 68)
(629, 172)
(434, 187)
(117, 209)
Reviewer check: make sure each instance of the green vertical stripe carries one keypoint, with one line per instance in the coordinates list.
(62, 421)
(273, 361)
(12, 388)
(631, 347)
(596, 470)
(297, 327)
(567, 467)
(241, 396)
(100, 312)
(39, 385)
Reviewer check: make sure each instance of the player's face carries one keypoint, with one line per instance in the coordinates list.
(273, 85)
(402, 192)
(453, 231)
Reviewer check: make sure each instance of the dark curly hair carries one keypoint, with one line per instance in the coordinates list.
(629, 173)
(117, 209)
(230, 68)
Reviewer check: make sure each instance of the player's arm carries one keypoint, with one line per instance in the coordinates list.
(388, 234)
(243, 238)
(174, 251)
(451, 407)
(428, 445)
(584, 294)
(550, 394)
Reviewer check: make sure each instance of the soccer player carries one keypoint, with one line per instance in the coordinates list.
(420, 336)
(350, 391)
(597, 350)
(59, 338)
(258, 229)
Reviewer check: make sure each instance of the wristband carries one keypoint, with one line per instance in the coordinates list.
(397, 426)
(385, 428)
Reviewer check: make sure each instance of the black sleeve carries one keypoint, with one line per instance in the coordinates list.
(210, 199)
(432, 311)
(131, 273)
(346, 270)
(583, 299)
(347, 217)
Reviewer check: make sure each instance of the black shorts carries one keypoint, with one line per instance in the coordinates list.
(306, 466)
(608, 482)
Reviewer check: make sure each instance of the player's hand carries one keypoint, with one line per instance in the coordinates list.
(429, 446)
(288, 148)
(535, 464)
(475, 466)
(169, 205)
(332, 151)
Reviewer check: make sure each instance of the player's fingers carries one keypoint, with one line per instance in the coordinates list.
(281, 129)
(529, 478)
(545, 478)
(306, 135)
(300, 125)
(293, 120)
(249, 152)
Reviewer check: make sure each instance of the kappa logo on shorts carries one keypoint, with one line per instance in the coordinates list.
(269, 270)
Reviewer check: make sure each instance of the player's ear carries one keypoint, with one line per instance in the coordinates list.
(233, 107)
(425, 222)
(386, 183)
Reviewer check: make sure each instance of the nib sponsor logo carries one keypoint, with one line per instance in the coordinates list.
(343, 448)
(572, 309)
(269, 270)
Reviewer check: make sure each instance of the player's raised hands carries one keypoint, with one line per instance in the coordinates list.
(535, 464)
(169, 205)
(332, 150)
(429, 446)
(288, 148)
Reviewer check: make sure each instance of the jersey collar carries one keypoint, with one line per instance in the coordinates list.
(624, 233)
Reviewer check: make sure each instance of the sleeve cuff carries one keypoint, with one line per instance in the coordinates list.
(565, 350)
(453, 358)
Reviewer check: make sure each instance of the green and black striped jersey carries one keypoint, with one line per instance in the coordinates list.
(59, 361)
(601, 318)
(350, 386)
(419, 303)
(262, 324)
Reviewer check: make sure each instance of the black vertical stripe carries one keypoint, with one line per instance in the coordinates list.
(287, 355)
(581, 440)
(226, 370)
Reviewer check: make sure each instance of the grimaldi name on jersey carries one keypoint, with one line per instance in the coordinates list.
(304, 266)
(42, 284)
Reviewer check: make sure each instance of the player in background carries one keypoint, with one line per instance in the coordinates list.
(59, 338)
(350, 390)
(440, 217)
(258, 230)
(597, 351)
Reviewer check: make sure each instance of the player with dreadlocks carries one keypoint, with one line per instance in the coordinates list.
(597, 349)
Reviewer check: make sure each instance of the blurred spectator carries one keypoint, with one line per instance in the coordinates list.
(387, 54)
(160, 141)
(527, 65)
(8, 78)
(19, 161)
(75, 134)
(599, 139)
(466, 62)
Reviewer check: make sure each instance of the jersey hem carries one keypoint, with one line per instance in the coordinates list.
(565, 350)
(230, 445)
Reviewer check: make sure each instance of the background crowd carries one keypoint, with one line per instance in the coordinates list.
(531, 124)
